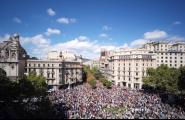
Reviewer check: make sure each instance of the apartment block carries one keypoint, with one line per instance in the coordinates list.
(127, 67)
(59, 69)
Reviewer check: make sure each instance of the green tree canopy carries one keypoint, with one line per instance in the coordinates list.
(93, 83)
(181, 81)
(163, 78)
(38, 82)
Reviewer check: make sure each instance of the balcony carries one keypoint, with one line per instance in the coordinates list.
(50, 78)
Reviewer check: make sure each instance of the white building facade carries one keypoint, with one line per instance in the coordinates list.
(171, 54)
(127, 67)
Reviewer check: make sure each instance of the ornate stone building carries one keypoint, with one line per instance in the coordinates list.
(13, 57)
(59, 69)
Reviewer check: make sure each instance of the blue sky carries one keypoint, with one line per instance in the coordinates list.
(86, 26)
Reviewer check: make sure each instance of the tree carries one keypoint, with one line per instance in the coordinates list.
(181, 80)
(8, 89)
(162, 78)
(38, 82)
(93, 83)
(26, 88)
(109, 84)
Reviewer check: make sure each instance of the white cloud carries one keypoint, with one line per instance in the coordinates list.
(72, 20)
(103, 35)
(51, 31)
(155, 35)
(4, 37)
(176, 38)
(51, 12)
(64, 20)
(17, 20)
(106, 28)
(177, 23)
(125, 45)
(40, 45)
(138, 43)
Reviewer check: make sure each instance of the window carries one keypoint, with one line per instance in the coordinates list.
(129, 78)
(170, 65)
(29, 65)
(161, 53)
(136, 73)
(175, 65)
(170, 61)
(136, 85)
(52, 65)
(48, 75)
(34, 65)
(181, 57)
(161, 60)
(48, 65)
(175, 61)
(166, 61)
(43, 65)
(124, 83)
(166, 57)
(136, 64)
(170, 57)
(175, 57)
(181, 61)
(143, 64)
(38, 65)
(129, 85)
(161, 57)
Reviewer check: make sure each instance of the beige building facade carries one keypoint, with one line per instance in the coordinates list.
(58, 69)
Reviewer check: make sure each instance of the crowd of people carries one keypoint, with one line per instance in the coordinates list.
(83, 102)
